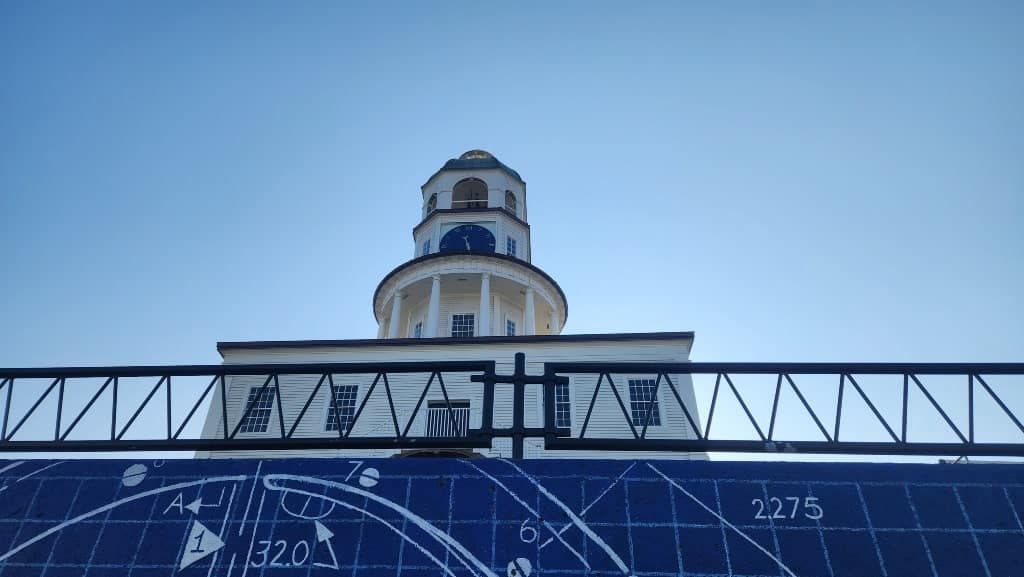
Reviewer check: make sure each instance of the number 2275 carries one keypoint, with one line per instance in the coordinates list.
(774, 508)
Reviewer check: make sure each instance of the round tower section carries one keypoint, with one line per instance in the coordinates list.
(466, 294)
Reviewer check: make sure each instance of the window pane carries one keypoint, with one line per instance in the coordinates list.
(510, 328)
(259, 417)
(563, 407)
(462, 325)
(345, 399)
(641, 391)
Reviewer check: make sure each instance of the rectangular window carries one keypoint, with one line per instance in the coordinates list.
(259, 417)
(345, 399)
(510, 328)
(510, 246)
(417, 331)
(640, 393)
(563, 408)
(462, 325)
(426, 247)
(440, 422)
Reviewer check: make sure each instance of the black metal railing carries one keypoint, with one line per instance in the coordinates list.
(681, 407)
(969, 382)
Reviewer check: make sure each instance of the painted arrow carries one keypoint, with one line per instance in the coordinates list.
(324, 535)
(201, 542)
(195, 505)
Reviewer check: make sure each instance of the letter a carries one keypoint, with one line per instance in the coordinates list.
(179, 502)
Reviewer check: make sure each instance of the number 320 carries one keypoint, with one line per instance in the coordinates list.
(810, 505)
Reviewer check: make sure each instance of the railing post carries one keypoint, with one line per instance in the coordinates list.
(518, 406)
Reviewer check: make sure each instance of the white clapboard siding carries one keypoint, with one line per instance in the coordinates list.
(607, 420)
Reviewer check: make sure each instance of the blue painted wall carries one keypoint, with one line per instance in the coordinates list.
(486, 518)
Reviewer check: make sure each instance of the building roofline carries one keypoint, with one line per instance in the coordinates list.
(470, 165)
(656, 336)
(494, 255)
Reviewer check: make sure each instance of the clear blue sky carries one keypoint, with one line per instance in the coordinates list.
(791, 181)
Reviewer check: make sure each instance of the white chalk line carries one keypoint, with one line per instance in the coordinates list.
(112, 505)
(592, 503)
(252, 540)
(255, 480)
(723, 520)
(536, 514)
(452, 545)
(11, 466)
(223, 527)
(22, 478)
(574, 518)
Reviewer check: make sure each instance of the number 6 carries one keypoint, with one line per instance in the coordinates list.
(525, 528)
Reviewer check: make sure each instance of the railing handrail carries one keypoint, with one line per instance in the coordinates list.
(231, 369)
(792, 368)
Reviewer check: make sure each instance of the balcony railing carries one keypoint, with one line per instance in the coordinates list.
(833, 408)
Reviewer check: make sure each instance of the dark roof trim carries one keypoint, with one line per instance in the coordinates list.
(493, 255)
(496, 209)
(661, 336)
(475, 164)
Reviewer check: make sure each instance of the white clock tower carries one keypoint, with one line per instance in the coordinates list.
(470, 275)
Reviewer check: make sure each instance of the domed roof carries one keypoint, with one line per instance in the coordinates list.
(475, 160)
(476, 153)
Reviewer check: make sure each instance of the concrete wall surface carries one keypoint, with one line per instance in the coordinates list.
(500, 518)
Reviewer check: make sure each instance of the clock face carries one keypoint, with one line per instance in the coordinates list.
(467, 237)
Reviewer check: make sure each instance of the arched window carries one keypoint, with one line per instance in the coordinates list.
(432, 203)
(510, 201)
(470, 193)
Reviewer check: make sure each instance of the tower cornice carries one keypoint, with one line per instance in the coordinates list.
(455, 256)
(470, 211)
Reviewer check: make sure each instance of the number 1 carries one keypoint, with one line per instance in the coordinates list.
(199, 543)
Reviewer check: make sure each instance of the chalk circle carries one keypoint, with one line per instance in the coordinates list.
(134, 475)
(520, 568)
(369, 477)
(158, 463)
(303, 507)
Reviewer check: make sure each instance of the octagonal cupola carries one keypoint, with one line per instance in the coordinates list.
(470, 274)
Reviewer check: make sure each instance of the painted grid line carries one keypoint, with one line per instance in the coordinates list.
(974, 535)
(871, 531)
(723, 520)
(924, 540)
(821, 539)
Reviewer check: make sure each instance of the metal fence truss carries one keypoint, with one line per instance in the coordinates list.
(671, 388)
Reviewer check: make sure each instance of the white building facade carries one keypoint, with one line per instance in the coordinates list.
(470, 293)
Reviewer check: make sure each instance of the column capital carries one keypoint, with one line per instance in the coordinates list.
(435, 277)
(485, 275)
(529, 290)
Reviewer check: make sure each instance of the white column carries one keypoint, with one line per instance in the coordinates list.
(484, 326)
(528, 321)
(434, 310)
(554, 322)
(499, 320)
(396, 315)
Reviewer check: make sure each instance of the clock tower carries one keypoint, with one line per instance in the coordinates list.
(470, 275)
